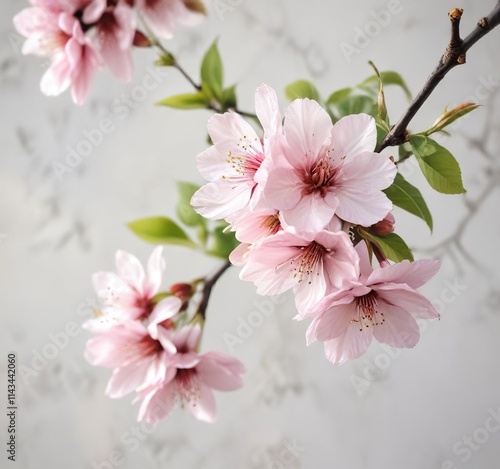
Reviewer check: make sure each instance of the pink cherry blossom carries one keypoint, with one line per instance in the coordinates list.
(327, 170)
(192, 381)
(232, 165)
(162, 16)
(139, 353)
(312, 265)
(383, 304)
(115, 26)
(129, 293)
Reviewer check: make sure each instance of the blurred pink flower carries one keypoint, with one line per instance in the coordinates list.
(162, 16)
(115, 26)
(129, 294)
(313, 266)
(139, 353)
(232, 165)
(190, 380)
(383, 304)
(327, 170)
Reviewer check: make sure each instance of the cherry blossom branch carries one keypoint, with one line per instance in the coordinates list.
(454, 55)
(207, 289)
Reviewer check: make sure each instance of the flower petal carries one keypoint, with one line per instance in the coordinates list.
(353, 135)
(348, 346)
(399, 329)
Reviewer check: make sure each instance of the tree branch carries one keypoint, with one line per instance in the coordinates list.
(454, 55)
(207, 289)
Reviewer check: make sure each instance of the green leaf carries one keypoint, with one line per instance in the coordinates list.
(356, 105)
(409, 198)
(229, 97)
(388, 78)
(404, 152)
(392, 245)
(448, 117)
(185, 101)
(339, 95)
(212, 73)
(438, 165)
(223, 242)
(160, 230)
(301, 89)
(185, 212)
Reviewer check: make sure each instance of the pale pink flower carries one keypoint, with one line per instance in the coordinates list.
(232, 165)
(74, 65)
(115, 31)
(129, 293)
(139, 353)
(192, 381)
(383, 304)
(312, 265)
(162, 16)
(328, 170)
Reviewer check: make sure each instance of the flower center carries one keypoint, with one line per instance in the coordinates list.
(306, 261)
(320, 176)
(272, 223)
(245, 165)
(367, 312)
(187, 386)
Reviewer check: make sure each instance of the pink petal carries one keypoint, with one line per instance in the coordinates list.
(239, 255)
(311, 211)
(230, 132)
(205, 409)
(187, 338)
(353, 135)
(362, 205)
(57, 77)
(212, 164)
(348, 346)
(335, 321)
(217, 200)
(94, 11)
(220, 373)
(157, 404)
(283, 189)
(408, 299)
(370, 170)
(155, 269)
(268, 111)
(414, 274)
(311, 288)
(308, 130)
(165, 309)
(399, 329)
(126, 380)
(130, 270)
(186, 360)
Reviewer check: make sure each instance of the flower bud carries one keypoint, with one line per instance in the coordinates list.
(385, 226)
(141, 40)
(184, 291)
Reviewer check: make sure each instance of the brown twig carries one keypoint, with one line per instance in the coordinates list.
(207, 289)
(454, 55)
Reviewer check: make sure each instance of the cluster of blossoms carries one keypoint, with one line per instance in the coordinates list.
(152, 346)
(293, 198)
(80, 36)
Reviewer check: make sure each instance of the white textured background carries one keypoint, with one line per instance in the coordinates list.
(407, 411)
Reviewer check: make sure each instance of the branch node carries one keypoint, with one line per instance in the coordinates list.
(484, 23)
(455, 41)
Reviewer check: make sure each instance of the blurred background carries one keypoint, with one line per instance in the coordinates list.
(435, 407)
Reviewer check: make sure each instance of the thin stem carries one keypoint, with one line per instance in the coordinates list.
(208, 286)
(454, 55)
